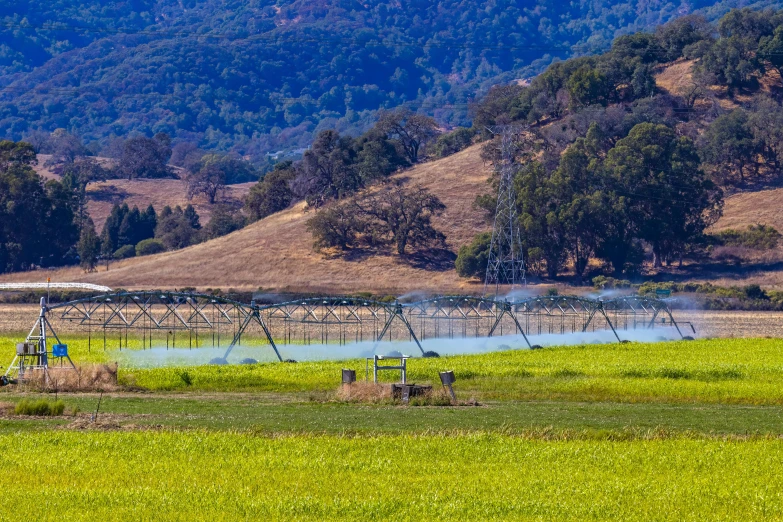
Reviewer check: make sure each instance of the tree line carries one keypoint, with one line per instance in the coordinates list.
(609, 166)
(38, 220)
(129, 232)
(46, 223)
(607, 201)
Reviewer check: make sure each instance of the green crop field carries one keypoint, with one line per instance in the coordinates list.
(743, 371)
(229, 476)
(664, 431)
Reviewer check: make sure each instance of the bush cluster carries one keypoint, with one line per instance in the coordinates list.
(759, 237)
(40, 408)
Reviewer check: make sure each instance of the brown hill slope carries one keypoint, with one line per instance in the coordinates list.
(276, 252)
(751, 208)
(102, 195)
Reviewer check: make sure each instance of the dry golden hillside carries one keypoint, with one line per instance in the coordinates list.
(676, 78)
(751, 208)
(102, 195)
(276, 252)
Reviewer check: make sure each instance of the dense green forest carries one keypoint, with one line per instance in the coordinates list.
(261, 76)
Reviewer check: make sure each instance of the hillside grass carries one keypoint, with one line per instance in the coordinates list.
(102, 195)
(276, 252)
(229, 476)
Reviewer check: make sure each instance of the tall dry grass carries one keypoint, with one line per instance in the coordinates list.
(86, 378)
(362, 391)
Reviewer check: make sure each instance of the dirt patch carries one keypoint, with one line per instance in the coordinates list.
(109, 422)
(85, 424)
(369, 392)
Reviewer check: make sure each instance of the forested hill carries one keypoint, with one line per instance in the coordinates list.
(258, 76)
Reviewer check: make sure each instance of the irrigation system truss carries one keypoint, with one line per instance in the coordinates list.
(173, 319)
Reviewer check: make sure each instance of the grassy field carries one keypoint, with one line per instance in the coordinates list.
(274, 414)
(228, 476)
(740, 371)
(665, 431)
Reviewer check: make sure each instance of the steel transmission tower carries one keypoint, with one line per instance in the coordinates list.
(505, 264)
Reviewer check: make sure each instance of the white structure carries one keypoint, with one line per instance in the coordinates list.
(56, 286)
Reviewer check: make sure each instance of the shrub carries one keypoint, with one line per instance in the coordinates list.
(603, 283)
(41, 408)
(759, 237)
(186, 378)
(650, 287)
(454, 141)
(149, 247)
(776, 296)
(755, 292)
(472, 259)
(125, 252)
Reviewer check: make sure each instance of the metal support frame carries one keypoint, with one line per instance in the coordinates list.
(505, 308)
(398, 313)
(40, 359)
(253, 315)
(638, 310)
(333, 320)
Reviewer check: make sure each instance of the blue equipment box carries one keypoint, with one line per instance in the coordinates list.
(60, 350)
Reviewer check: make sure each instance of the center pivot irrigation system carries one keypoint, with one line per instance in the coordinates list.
(188, 320)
